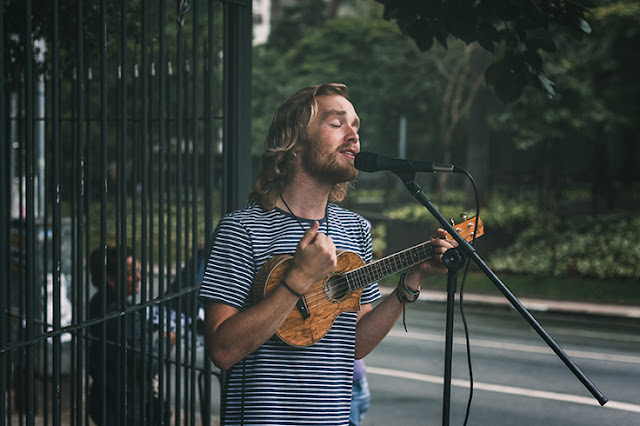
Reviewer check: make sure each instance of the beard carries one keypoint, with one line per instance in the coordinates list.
(326, 167)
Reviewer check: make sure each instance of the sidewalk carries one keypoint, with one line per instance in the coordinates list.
(533, 305)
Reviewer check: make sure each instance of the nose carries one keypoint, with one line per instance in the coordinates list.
(352, 134)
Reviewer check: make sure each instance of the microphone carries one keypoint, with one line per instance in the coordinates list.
(373, 162)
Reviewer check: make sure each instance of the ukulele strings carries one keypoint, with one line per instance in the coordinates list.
(371, 272)
(411, 255)
(360, 277)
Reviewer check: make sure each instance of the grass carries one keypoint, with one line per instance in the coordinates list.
(625, 292)
(531, 269)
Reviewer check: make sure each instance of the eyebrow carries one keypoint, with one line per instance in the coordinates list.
(340, 113)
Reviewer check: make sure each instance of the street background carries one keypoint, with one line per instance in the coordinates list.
(518, 379)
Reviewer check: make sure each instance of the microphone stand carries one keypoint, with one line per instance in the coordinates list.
(453, 259)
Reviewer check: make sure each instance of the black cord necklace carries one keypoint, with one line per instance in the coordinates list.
(326, 214)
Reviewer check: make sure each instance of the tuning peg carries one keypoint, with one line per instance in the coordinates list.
(463, 215)
(453, 222)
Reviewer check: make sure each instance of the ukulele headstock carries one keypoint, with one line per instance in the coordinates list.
(468, 229)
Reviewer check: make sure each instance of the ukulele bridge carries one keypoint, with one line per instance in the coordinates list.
(303, 308)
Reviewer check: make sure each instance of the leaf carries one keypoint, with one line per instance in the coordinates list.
(422, 35)
(533, 59)
(487, 35)
(547, 85)
(584, 25)
(540, 39)
(507, 83)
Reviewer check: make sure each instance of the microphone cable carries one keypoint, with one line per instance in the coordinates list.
(462, 313)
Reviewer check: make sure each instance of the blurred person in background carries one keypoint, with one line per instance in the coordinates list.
(105, 401)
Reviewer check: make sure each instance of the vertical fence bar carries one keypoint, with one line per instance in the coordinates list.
(78, 216)
(237, 103)
(191, 305)
(134, 144)
(101, 393)
(209, 115)
(121, 227)
(91, 168)
(29, 218)
(88, 236)
(163, 320)
(144, 147)
(5, 203)
(56, 225)
(170, 195)
(181, 11)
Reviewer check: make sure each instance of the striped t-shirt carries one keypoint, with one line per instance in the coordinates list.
(279, 384)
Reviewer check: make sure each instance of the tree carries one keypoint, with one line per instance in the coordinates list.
(386, 74)
(463, 85)
(515, 32)
(85, 32)
(592, 117)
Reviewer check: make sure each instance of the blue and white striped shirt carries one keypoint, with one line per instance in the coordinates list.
(280, 384)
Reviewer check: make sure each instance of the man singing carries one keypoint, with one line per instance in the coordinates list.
(306, 168)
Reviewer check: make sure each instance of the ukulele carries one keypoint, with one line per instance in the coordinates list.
(340, 290)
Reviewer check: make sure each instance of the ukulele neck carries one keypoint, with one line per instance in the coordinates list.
(388, 266)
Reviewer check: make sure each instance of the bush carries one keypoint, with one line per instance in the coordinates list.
(546, 245)
(603, 249)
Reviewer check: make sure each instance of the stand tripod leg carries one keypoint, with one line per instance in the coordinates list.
(452, 260)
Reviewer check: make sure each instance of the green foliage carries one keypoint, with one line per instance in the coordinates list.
(546, 245)
(602, 249)
(618, 9)
(499, 213)
(386, 75)
(545, 287)
(153, 222)
(514, 31)
(379, 237)
(295, 22)
(591, 122)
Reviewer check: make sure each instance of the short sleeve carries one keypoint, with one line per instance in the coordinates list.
(228, 276)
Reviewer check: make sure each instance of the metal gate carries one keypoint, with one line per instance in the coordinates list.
(124, 125)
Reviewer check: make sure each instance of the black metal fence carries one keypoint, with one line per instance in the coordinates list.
(123, 124)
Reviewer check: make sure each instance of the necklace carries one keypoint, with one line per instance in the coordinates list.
(326, 214)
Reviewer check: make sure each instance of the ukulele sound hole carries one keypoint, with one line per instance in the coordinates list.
(336, 288)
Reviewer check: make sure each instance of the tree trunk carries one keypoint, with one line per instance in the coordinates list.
(456, 101)
(477, 159)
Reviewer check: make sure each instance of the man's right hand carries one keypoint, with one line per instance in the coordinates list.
(315, 257)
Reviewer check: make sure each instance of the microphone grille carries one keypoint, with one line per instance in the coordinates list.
(366, 161)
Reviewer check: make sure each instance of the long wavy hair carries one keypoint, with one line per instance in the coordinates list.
(285, 140)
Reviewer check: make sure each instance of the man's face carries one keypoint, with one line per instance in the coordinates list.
(332, 141)
(133, 276)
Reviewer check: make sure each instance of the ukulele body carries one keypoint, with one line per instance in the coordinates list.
(318, 308)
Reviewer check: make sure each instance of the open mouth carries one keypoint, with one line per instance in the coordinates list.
(349, 153)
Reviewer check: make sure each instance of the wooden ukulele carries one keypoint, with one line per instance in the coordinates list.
(340, 290)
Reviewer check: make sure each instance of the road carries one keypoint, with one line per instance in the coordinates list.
(518, 380)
